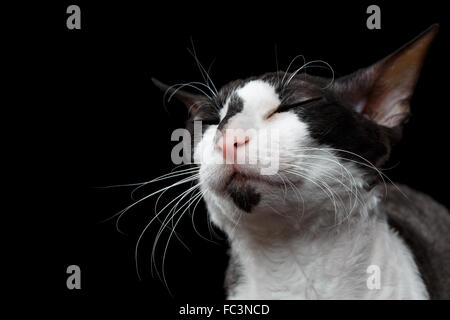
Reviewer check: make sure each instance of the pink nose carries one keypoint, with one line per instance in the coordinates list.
(229, 144)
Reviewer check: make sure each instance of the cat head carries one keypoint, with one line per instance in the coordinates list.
(327, 136)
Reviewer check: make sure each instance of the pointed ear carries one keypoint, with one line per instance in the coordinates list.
(191, 101)
(382, 91)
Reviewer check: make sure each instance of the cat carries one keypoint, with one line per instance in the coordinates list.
(326, 224)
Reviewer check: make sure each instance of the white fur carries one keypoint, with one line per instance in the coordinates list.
(298, 243)
(329, 266)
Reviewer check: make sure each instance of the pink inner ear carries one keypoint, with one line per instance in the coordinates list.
(382, 91)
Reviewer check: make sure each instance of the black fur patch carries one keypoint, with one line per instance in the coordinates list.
(424, 224)
(335, 123)
(340, 127)
(234, 106)
(244, 196)
(233, 274)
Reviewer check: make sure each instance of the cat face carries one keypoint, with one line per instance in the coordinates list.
(281, 140)
(299, 128)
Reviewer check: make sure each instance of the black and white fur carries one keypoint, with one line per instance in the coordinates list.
(312, 230)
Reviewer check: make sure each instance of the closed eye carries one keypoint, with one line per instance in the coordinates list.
(312, 101)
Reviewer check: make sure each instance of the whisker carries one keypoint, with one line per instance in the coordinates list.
(122, 212)
(203, 71)
(182, 195)
(191, 84)
(327, 191)
(290, 64)
(368, 164)
(304, 66)
(297, 193)
(170, 235)
(193, 223)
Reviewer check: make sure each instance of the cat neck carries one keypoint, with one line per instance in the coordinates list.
(312, 218)
(316, 261)
(290, 265)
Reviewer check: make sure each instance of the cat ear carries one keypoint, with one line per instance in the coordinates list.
(382, 91)
(192, 101)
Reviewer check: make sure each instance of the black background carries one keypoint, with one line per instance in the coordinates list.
(103, 122)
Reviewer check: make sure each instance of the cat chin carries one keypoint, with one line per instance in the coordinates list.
(221, 177)
(245, 179)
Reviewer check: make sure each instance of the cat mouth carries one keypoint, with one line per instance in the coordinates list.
(240, 178)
